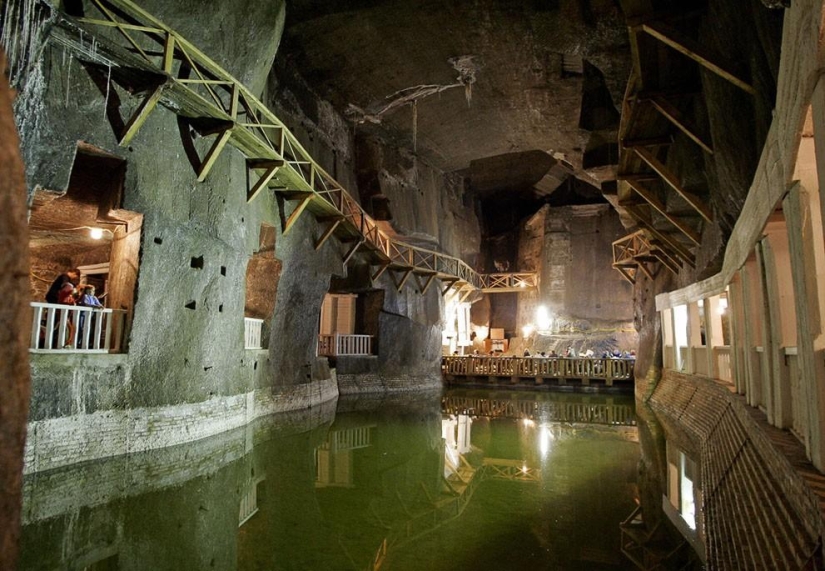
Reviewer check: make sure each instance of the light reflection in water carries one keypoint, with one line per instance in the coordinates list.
(472, 480)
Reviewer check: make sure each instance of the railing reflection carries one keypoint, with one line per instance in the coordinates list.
(583, 412)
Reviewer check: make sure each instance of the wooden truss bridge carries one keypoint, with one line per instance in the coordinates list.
(120, 44)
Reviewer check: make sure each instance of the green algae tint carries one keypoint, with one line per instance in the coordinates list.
(466, 480)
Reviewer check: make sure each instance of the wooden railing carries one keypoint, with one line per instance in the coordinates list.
(669, 357)
(550, 367)
(512, 282)
(799, 409)
(342, 345)
(700, 361)
(75, 328)
(721, 360)
(252, 332)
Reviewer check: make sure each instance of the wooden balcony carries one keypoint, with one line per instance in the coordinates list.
(252, 331)
(340, 345)
(70, 328)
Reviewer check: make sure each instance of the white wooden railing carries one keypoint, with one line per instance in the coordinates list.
(721, 359)
(78, 329)
(338, 344)
(799, 413)
(252, 332)
(700, 361)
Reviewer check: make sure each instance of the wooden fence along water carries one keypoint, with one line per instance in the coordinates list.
(561, 369)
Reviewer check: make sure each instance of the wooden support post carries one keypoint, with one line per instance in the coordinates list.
(695, 51)
(657, 205)
(672, 114)
(305, 198)
(380, 271)
(334, 222)
(270, 167)
(673, 182)
(168, 52)
(352, 251)
(140, 115)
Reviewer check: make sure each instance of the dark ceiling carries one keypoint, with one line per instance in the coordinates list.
(548, 76)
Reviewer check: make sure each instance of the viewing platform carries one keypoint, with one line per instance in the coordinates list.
(552, 371)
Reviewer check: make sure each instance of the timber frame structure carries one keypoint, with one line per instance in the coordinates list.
(126, 46)
(654, 112)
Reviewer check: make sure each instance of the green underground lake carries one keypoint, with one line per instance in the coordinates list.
(465, 479)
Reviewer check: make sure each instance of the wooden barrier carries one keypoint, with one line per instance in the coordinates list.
(540, 368)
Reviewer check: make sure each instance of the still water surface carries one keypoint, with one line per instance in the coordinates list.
(466, 480)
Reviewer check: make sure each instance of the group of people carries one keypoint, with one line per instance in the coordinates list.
(570, 353)
(63, 291)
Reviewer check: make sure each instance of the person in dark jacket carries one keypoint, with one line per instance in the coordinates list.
(71, 276)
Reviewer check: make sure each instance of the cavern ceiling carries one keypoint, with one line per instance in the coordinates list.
(476, 86)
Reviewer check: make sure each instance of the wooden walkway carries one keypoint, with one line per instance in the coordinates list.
(135, 51)
(558, 370)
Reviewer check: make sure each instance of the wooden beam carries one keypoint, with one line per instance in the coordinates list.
(647, 142)
(627, 177)
(427, 284)
(677, 248)
(213, 154)
(653, 201)
(352, 251)
(328, 232)
(674, 183)
(450, 284)
(407, 273)
(470, 290)
(140, 115)
(677, 118)
(304, 202)
(380, 271)
(695, 51)
(270, 168)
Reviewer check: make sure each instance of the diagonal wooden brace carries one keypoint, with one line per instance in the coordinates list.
(329, 231)
(427, 284)
(352, 251)
(380, 271)
(270, 168)
(450, 284)
(213, 154)
(140, 115)
(305, 198)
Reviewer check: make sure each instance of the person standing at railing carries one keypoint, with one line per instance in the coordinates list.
(71, 276)
(87, 298)
(66, 297)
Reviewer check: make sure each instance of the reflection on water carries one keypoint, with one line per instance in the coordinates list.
(471, 480)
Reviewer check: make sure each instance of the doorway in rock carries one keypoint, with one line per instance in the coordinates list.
(86, 229)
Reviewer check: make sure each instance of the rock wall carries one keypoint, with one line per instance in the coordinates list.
(14, 335)
(200, 242)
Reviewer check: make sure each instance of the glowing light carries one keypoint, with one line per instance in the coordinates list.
(522, 284)
(544, 441)
(96, 233)
(528, 329)
(528, 422)
(543, 319)
(524, 469)
(723, 305)
(482, 332)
